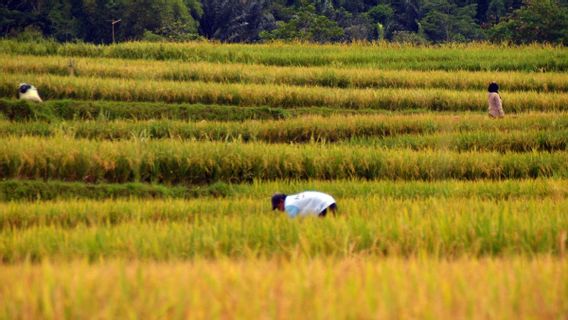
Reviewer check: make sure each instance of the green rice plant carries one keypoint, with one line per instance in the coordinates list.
(278, 96)
(480, 189)
(471, 57)
(18, 110)
(411, 132)
(37, 190)
(11, 190)
(411, 121)
(344, 77)
(516, 141)
(245, 227)
(175, 161)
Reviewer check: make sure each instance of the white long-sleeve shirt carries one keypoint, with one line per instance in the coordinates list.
(307, 203)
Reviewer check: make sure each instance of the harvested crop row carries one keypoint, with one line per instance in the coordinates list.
(39, 190)
(174, 161)
(300, 76)
(376, 134)
(58, 87)
(205, 289)
(385, 56)
(178, 230)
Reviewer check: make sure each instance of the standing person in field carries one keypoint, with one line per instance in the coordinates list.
(495, 104)
(309, 203)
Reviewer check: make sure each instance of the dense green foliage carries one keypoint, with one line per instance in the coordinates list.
(172, 229)
(106, 21)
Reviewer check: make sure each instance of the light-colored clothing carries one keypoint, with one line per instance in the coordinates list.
(495, 105)
(307, 203)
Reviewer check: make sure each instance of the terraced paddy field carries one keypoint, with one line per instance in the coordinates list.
(140, 187)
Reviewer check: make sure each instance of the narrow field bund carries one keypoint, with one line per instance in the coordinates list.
(410, 121)
(175, 161)
(55, 110)
(39, 190)
(213, 228)
(341, 77)
(473, 57)
(58, 87)
(300, 288)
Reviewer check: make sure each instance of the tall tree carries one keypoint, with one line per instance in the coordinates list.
(382, 16)
(306, 25)
(64, 26)
(482, 7)
(496, 10)
(169, 19)
(234, 20)
(538, 21)
(445, 21)
(408, 14)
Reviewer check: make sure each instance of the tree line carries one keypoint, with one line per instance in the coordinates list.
(415, 21)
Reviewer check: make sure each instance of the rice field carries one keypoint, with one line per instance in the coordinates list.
(286, 96)
(472, 57)
(317, 288)
(140, 187)
(329, 76)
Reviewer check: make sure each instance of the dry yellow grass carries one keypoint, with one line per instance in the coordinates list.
(357, 287)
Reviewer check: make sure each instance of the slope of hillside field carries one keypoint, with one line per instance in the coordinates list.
(140, 187)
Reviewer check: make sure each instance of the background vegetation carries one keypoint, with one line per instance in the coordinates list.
(305, 20)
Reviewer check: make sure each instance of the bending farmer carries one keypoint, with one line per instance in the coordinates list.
(304, 204)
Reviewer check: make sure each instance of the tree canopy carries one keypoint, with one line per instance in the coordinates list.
(323, 21)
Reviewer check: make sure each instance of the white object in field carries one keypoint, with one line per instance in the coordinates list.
(28, 92)
(309, 202)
